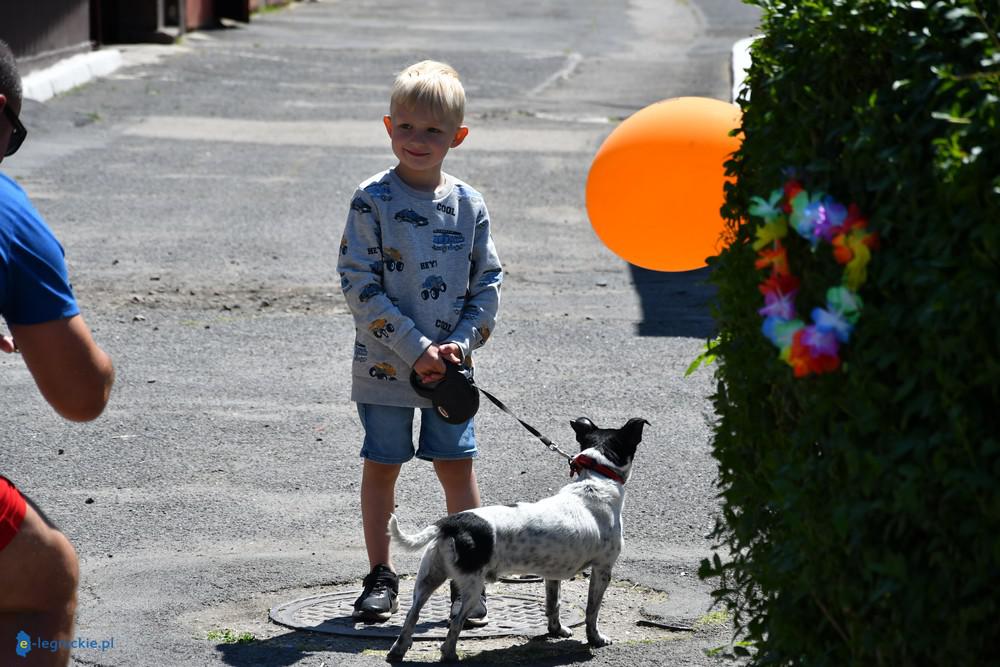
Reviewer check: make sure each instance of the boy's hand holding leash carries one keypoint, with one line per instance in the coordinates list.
(430, 366)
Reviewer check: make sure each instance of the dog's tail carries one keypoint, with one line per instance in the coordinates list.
(411, 542)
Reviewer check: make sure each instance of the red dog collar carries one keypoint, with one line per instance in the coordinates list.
(579, 462)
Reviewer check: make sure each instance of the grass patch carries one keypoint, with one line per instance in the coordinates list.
(713, 619)
(227, 636)
(270, 9)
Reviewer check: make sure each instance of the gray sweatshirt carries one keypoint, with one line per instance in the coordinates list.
(416, 268)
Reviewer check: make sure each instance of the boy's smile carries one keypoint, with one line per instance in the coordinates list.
(420, 141)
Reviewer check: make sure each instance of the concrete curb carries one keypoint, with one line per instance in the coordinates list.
(68, 74)
(740, 64)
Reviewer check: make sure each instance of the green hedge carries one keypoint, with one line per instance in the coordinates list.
(861, 507)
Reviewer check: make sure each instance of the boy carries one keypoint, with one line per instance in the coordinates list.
(422, 278)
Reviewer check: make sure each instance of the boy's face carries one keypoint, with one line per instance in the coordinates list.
(420, 141)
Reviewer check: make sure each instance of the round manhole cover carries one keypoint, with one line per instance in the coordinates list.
(509, 614)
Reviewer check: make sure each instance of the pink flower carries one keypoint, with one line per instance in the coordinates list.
(779, 305)
(820, 342)
(813, 351)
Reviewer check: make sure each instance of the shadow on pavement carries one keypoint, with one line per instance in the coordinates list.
(675, 304)
(537, 652)
(291, 648)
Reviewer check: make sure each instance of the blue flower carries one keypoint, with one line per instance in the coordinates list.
(832, 322)
(805, 216)
(830, 216)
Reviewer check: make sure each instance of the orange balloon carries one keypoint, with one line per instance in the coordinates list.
(656, 184)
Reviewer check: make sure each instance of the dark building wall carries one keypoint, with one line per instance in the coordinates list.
(40, 32)
(118, 21)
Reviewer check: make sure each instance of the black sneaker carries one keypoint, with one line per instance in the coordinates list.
(377, 601)
(479, 615)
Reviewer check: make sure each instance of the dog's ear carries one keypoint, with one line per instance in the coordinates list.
(619, 444)
(633, 429)
(582, 426)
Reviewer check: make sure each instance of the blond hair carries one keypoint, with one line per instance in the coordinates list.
(432, 85)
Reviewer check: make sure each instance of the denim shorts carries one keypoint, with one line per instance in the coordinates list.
(389, 435)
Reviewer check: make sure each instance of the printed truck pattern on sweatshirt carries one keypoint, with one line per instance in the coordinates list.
(416, 268)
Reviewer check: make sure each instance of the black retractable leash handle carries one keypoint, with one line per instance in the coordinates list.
(454, 397)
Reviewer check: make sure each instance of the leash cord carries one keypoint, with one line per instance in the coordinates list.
(531, 429)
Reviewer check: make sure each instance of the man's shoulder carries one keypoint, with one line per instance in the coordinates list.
(16, 209)
(10, 192)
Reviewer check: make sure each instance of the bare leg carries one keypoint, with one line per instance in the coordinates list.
(378, 500)
(39, 573)
(556, 628)
(600, 577)
(458, 479)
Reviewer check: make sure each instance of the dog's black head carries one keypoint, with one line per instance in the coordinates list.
(617, 445)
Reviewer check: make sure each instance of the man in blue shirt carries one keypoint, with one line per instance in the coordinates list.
(39, 570)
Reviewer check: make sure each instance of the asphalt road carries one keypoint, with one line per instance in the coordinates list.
(200, 193)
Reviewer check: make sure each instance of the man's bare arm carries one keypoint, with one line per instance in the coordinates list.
(73, 374)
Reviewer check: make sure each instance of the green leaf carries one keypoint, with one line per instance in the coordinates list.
(706, 357)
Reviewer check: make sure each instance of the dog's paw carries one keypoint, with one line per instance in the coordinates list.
(449, 657)
(396, 653)
(561, 631)
(597, 640)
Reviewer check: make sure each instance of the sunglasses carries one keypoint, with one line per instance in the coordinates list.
(19, 133)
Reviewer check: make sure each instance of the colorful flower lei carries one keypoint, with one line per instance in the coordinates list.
(814, 347)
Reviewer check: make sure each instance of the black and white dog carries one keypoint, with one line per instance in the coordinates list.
(578, 528)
